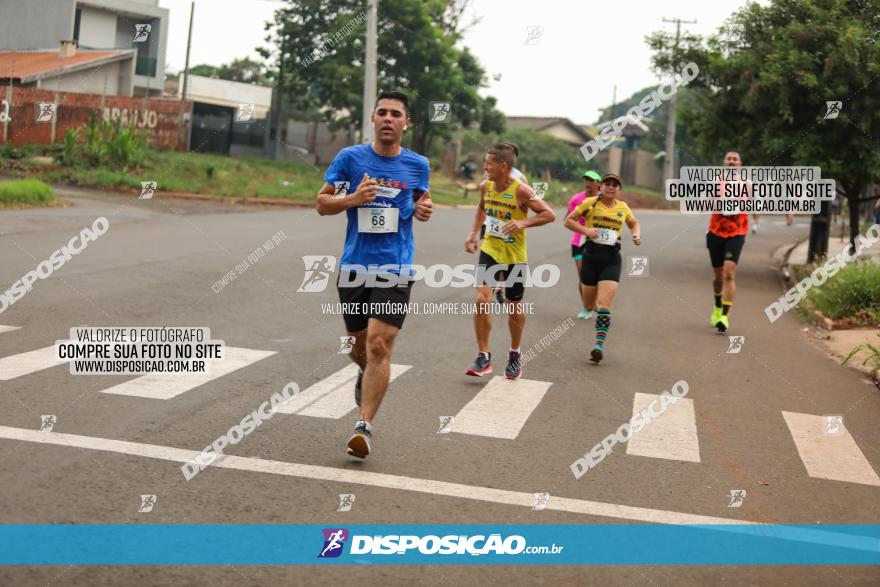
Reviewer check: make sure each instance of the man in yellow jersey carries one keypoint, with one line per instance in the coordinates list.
(498, 289)
(604, 216)
(504, 204)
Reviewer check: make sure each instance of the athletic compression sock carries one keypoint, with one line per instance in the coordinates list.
(725, 308)
(717, 289)
(603, 323)
(718, 299)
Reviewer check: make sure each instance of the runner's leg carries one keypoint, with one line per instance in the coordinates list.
(379, 345)
(482, 318)
(605, 296)
(717, 247)
(358, 353)
(516, 322)
(718, 284)
(589, 295)
(729, 289)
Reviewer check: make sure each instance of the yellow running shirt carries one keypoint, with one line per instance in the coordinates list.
(500, 209)
(609, 221)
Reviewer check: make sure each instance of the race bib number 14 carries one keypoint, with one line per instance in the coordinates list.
(493, 228)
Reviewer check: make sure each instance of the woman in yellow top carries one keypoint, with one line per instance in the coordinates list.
(604, 217)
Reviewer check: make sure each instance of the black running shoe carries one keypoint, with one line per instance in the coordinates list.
(499, 295)
(597, 354)
(514, 365)
(357, 387)
(482, 366)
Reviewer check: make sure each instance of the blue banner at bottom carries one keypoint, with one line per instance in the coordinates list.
(276, 544)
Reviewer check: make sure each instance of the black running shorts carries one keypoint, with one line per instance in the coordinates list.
(724, 249)
(600, 263)
(512, 291)
(362, 302)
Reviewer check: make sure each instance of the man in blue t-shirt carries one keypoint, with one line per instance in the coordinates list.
(381, 187)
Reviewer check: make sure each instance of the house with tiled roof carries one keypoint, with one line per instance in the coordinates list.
(95, 27)
(70, 70)
(556, 126)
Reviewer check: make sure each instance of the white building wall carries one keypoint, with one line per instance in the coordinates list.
(97, 28)
(113, 79)
(229, 93)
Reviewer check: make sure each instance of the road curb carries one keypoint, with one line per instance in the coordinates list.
(819, 318)
(238, 200)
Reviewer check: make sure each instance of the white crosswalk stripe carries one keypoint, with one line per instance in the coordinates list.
(333, 396)
(829, 456)
(672, 435)
(501, 409)
(29, 362)
(167, 386)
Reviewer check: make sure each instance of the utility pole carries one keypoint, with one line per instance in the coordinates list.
(370, 71)
(279, 100)
(192, 10)
(613, 102)
(669, 162)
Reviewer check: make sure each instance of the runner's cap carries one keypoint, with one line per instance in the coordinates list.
(608, 176)
(592, 175)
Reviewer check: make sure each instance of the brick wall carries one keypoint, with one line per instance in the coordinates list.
(158, 119)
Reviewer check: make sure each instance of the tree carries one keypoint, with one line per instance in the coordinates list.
(321, 45)
(244, 70)
(204, 70)
(656, 122)
(766, 77)
(540, 155)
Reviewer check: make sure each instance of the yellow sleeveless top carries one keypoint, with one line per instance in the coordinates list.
(501, 208)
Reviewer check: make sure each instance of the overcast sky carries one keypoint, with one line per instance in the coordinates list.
(586, 47)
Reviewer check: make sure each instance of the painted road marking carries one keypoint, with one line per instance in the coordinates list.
(672, 435)
(430, 486)
(829, 456)
(501, 408)
(332, 397)
(8, 328)
(360, 477)
(30, 362)
(161, 386)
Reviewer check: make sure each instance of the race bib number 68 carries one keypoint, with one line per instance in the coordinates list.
(378, 220)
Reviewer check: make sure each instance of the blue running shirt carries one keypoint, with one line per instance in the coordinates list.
(369, 237)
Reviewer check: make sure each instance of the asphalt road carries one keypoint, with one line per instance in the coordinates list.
(156, 265)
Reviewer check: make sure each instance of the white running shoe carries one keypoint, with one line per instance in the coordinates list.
(359, 444)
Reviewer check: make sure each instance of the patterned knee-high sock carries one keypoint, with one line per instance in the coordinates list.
(603, 323)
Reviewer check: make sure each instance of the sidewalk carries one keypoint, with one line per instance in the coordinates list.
(798, 255)
(839, 343)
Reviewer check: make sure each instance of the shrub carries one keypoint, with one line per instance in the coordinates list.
(26, 191)
(854, 293)
(873, 356)
(106, 144)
